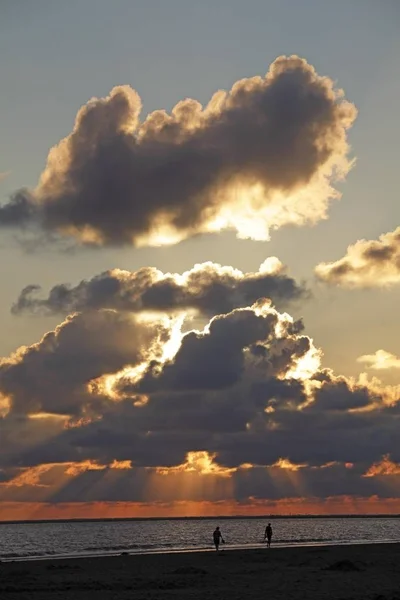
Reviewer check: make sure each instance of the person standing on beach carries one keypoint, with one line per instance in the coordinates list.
(217, 536)
(268, 534)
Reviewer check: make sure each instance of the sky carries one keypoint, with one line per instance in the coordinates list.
(200, 258)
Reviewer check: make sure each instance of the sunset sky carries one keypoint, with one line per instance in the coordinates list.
(200, 258)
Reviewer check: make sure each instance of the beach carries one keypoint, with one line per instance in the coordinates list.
(331, 572)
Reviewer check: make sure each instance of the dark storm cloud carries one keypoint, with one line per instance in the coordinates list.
(220, 356)
(236, 391)
(311, 437)
(231, 423)
(337, 395)
(214, 359)
(53, 375)
(116, 181)
(207, 288)
(367, 263)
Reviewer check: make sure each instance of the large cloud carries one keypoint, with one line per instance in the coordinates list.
(264, 154)
(239, 409)
(207, 288)
(367, 263)
(52, 376)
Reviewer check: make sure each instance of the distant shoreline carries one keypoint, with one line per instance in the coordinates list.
(197, 518)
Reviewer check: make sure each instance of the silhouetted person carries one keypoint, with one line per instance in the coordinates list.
(217, 536)
(268, 534)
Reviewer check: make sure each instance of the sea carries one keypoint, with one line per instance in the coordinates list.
(59, 539)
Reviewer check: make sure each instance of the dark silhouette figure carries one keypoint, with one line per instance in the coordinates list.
(268, 534)
(217, 536)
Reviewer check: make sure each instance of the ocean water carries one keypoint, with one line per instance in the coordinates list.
(69, 538)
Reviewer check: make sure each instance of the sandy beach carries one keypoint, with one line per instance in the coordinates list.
(349, 572)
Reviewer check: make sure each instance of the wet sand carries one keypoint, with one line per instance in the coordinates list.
(368, 572)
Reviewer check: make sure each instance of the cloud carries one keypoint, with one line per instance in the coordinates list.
(198, 365)
(380, 360)
(367, 264)
(208, 288)
(114, 407)
(262, 155)
(190, 482)
(52, 376)
(245, 338)
(384, 467)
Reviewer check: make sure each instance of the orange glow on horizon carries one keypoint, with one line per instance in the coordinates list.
(197, 487)
(340, 505)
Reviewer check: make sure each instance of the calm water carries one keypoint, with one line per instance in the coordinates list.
(106, 537)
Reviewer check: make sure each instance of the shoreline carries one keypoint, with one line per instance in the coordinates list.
(351, 572)
(256, 547)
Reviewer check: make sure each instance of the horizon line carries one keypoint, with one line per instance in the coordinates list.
(212, 517)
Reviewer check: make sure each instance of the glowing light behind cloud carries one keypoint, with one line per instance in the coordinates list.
(384, 467)
(200, 462)
(264, 154)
